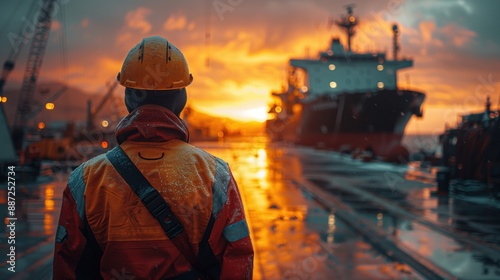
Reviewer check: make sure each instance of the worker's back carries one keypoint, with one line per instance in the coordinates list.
(128, 234)
(105, 230)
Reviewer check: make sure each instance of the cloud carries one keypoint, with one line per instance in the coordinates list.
(458, 35)
(85, 23)
(426, 29)
(136, 19)
(126, 37)
(175, 22)
(123, 38)
(56, 25)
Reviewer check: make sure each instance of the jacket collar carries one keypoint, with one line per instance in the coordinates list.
(151, 123)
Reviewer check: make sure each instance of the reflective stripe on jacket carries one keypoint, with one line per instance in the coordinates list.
(129, 242)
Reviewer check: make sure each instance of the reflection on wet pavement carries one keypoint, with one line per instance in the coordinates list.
(294, 236)
(445, 230)
(37, 211)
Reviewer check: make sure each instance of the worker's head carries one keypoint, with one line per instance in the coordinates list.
(155, 72)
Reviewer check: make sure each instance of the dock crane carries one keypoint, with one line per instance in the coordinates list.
(92, 114)
(32, 70)
(34, 112)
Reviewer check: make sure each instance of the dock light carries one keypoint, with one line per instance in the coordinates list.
(380, 85)
(104, 123)
(104, 144)
(278, 109)
(41, 125)
(50, 106)
(331, 67)
(380, 67)
(3, 99)
(333, 84)
(304, 89)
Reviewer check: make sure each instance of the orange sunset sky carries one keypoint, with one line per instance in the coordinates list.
(238, 50)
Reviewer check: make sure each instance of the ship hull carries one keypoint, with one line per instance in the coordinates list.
(472, 150)
(368, 121)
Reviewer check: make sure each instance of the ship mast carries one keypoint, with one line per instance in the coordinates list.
(395, 46)
(348, 23)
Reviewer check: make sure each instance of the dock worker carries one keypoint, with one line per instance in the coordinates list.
(154, 207)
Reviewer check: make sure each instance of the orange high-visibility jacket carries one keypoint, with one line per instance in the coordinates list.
(106, 231)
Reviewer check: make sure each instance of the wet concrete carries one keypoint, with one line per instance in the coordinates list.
(454, 233)
(294, 236)
(37, 211)
(297, 237)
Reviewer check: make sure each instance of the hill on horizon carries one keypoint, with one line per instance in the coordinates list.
(71, 106)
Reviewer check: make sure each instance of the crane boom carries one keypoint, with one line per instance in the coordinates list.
(33, 113)
(108, 95)
(93, 113)
(33, 65)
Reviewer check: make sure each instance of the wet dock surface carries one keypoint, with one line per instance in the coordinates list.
(315, 214)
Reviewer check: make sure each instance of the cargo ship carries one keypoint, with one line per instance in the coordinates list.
(345, 100)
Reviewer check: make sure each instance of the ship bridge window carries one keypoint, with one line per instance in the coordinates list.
(380, 67)
(331, 67)
(380, 85)
(333, 84)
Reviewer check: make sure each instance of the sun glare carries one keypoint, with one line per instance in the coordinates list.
(258, 114)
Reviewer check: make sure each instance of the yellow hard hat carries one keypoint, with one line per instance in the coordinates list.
(155, 64)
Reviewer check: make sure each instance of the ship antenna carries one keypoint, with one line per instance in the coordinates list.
(488, 106)
(395, 46)
(348, 22)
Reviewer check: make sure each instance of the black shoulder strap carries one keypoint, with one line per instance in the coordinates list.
(159, 208)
